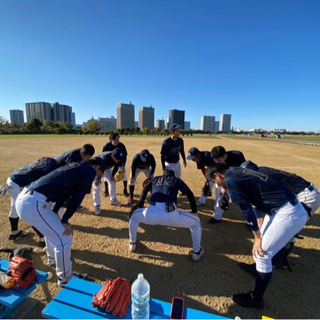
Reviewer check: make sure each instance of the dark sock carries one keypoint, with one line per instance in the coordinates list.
(131, 188)
(106, 186)
(38, 232)
(125, 185)
(262, 282)
(14, 223)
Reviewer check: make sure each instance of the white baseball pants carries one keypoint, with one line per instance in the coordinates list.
(13, 192)
(96, 192)
(138, 171)
(176, 167)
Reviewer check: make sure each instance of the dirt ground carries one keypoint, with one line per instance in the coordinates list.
(100, 243)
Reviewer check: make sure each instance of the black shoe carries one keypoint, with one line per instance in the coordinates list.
(126, 193)
(106, 194)
(250, 268)
(247, 300)
(20, 234)
(81, 208)
(213, 221)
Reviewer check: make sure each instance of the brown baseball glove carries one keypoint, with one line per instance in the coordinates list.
(115, 296)
(22, 270)
(145, 182)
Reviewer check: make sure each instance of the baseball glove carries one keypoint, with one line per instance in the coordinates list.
(119, 176)
(145, 182)
(114, 296)
(206, 191)
(22, 270)
(224, 202)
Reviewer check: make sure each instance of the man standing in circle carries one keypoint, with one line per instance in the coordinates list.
(170, 150)
(141, 162)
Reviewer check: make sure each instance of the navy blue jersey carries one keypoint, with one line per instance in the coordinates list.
(33, 171)
(107, 159)
(165, 189)
(138, 163)
(205, 161)
(68, 157)
(249, 187)
(110, 147)
(73, 180)
(170, 151)
(234, 159)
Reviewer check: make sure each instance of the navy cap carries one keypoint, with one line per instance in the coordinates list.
(192, 153)
(168, 172)
(118, 154)
(174, 126)
(145, 155)
(224, 202)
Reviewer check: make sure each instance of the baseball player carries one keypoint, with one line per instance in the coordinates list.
(285, 217)
(203, 160)
(141, 162)
(16, 182)
(170, 150)
(84, 153)
(231, 159)
(112, 161)
(110, 146)
(163, 210)
(34, 205)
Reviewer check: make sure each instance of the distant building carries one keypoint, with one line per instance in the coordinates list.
(160, 124)
(208, 123)
(108, 123)
(225, 122)
(216, 126)
(187, 125)
(146, 117)
(125, 116)
(177, 116)
(16, 117)
(168, 122)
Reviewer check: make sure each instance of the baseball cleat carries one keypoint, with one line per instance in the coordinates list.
(247, 300)
(129, 201)
(213, 221)
(18, 235)
(106, 194)
(197, 256)
(199, 203)
(132, 246)
(97, 210)
(115, 203)
(81, 208)
(63, 283)
(250, 268)
(126, 193)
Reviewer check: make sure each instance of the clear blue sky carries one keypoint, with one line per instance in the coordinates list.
(256, 60)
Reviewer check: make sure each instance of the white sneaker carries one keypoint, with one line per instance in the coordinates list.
(132, 247)
(63, 283)
(97, 210)
(199, 203)
(197, 256)
(115, 202)
(51, 261)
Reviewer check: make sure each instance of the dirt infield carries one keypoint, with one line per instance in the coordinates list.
(100, 244)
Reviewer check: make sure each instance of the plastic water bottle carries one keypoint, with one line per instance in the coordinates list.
(140, 297)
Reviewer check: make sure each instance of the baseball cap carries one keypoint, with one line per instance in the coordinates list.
(174, 126)
(118, 154)
(144, 155)
(192, 153)
(224, 202)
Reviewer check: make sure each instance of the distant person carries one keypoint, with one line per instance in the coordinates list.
(230, 159)
(141, 162)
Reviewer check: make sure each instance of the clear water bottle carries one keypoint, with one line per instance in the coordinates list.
(140, 297)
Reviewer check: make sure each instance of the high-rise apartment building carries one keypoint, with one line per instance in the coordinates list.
(160, 124)
(108, 123)
(225, 122)
(61, 112)
(187, 125)
(38, 110)
(125, 116)
(146, 117)
(16, 117)
(208, 123)
(176, 116)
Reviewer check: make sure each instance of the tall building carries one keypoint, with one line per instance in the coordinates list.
(125, 116)
(208, 123)
(61, 112)
(38, 110)
(225, 122)
(187, 125)
(146, 117)
(160, 124)
(176, 116)
(16, 117)
(216, 126)
(108, 123)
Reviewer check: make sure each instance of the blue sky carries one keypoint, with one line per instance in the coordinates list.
(256, 60)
